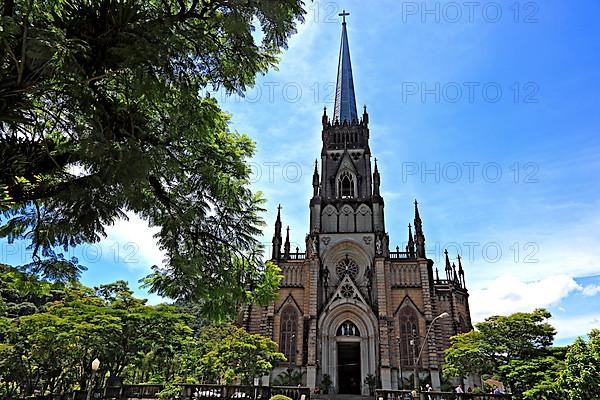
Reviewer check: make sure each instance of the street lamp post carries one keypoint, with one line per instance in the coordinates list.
(415, 372)
(413, 342)
(400, 362)
(95, 366)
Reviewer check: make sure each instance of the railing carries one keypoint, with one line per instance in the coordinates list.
(208, 392)
(141, 391)
(446, 282)
(297, 256)
(397, 255)
(188, 392)
(406, 395)
(295, 393)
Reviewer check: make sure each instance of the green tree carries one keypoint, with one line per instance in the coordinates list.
(537, 378)
(231, 354)
(466, 355)
(102, 113)
(51, 350)
(515, 348)
(580, 378)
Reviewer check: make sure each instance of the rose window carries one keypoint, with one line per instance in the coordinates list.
(347, 267)
(347, 291)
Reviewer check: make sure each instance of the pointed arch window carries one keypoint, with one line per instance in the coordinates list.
(348, 329)
(346, 185)
(409, 336)
(288, 333)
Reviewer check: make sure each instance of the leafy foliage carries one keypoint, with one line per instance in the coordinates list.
(515, 348)
(371, 382)
(289, 377)
(231, 354)
(280, 397)
(101, 115)
(581, 375)
(326, 383)
(50, 349)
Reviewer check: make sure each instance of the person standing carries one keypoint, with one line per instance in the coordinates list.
(428, 389)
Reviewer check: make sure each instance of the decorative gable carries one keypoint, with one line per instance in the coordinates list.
(346, 292)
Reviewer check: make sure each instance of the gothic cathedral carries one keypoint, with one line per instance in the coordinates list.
(350, 306)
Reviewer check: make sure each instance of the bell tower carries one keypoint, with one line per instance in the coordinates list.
(347, 199)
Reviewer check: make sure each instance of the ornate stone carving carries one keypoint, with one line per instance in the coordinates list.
(347, 291)
(347, 266)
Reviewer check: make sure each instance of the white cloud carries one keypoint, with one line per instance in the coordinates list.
(570, 327)
(590, 290)
(133, 243)
(507, 294)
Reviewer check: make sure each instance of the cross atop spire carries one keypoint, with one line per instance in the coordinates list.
(343, 14)
(345, 99)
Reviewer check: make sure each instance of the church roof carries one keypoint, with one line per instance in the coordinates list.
(345, 101)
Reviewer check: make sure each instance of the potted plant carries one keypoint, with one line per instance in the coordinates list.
(371, 382)
(326, 383)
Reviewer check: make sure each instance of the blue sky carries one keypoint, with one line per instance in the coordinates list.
(487, 115)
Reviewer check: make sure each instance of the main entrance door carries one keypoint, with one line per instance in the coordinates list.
(348, 363)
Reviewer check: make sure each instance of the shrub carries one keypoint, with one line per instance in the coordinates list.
(280, 397)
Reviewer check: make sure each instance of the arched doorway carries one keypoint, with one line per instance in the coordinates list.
(348, 346)
(348, 358)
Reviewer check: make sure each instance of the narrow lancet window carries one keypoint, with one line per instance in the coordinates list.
(409, 337)
(287, 342)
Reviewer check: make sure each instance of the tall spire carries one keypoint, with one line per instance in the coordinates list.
(448, 267)
(345, 100)
(315, 181)
(411, 243)
(461, 273)
(419, 236)
(376, 180)
(286, 246)
(276, 255)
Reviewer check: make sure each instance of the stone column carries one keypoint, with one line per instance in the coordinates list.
(435, 379)
(311, 367)
(383, 339)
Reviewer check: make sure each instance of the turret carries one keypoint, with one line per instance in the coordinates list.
(410, 249)
(276, 253)
(376, 180)
(448, 267)
(286, 246)
(315, 181)
(420, 237)
(461, 273)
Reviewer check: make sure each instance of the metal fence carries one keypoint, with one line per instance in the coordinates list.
(188, 392)
(407, 395)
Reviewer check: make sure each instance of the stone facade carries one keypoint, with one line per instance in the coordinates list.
(349, 305)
